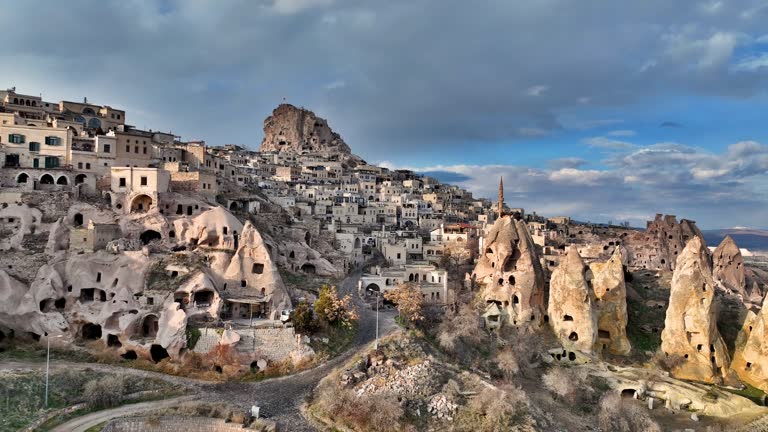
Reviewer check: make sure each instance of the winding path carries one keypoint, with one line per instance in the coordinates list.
(81, 424)
(280, 398)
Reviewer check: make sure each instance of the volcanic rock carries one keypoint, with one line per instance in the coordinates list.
(512, 274)
(690, 327)
(571, 310)
(611, 305)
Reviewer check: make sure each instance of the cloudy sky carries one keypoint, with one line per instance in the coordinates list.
(601, 110)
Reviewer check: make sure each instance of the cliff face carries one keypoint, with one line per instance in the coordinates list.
(690, 329)
(296, 130)
(510, 271)
(571, 311)
(611, 304)
(729, 269)
(750, 361)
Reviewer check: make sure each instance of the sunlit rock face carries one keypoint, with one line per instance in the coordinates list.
(728, 267)
(296, 130)
(571, 305)
(510, 271)
(251, 272)
(750, 360)
(611, 305)
(690, 329)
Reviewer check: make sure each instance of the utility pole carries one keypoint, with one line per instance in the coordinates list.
(47, 367)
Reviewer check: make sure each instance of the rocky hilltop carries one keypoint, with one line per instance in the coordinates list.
(299, 131)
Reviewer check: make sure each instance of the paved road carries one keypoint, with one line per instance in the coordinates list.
(81, 424)
(280, 399)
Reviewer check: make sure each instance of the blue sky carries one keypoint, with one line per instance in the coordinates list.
(599, 110)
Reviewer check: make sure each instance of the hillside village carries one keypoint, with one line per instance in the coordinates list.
(129, 239)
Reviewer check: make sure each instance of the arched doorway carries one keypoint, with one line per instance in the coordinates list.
(149, 326)
(62, 180)
(80, 179)
(22, 178)
(141, 204)
(373, 287)
(46, 179)
(308, 268)
(233, 206)
(150, 236)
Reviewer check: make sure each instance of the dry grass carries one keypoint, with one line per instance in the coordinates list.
(369, 412)
(622, 415)
(492, 410)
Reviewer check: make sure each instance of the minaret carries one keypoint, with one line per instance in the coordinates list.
(501, 195)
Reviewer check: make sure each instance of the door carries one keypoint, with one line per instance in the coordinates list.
(36, 163)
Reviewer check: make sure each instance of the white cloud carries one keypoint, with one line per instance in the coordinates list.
(687, 47)
(637, 183)
(712, 7)
(289, 7)
(537, 90)
(607, 143)
(621, 132)
(575, 176)
(333, 85)
(592, 124)
(752, 63)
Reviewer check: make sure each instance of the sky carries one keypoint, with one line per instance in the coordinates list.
(601, 110)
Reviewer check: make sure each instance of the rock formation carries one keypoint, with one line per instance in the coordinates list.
(512, 274)
(661, 243)
(690, 329)
(296, 130)
(611, 305)
(750, 359)
(571, 310)
(729, 271)
(251, 272)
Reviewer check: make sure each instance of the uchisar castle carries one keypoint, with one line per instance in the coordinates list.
(127, 241)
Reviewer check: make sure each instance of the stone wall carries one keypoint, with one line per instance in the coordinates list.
(185, 181)
(171, 424)
(54, 205)
(274, 344)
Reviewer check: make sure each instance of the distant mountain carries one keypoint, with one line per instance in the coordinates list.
(750, 238)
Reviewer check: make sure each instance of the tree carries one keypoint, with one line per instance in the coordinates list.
(332, 310)
(302, 317)
(409, 300)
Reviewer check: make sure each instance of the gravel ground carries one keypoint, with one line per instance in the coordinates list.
(280, 399)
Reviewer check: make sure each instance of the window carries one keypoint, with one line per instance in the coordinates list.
(16, 139)
(34, 146)
(122, 182)
(145, 150)
(51, 162)
(87, 166)
(107, 148)
(143, 181)
(53, 141)
(136, 149)
(79, 165)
